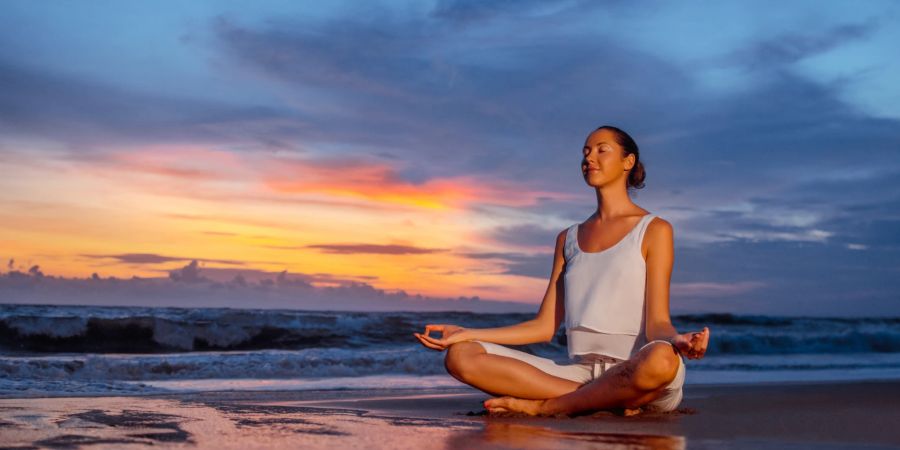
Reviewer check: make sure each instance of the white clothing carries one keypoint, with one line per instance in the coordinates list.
(604, 298)
(589, 369)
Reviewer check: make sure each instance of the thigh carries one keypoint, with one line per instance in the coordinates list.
(578, 373)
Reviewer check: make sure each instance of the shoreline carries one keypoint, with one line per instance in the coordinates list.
(794, 415)
(437, 389)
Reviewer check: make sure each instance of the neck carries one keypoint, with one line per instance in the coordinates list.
(613, 201)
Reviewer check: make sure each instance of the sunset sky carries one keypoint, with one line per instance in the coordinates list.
(434, 147)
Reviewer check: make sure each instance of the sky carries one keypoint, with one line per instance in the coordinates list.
(432, 149)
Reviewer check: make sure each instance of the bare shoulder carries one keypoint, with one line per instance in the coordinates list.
(559, 253)
(658, 223)
(561, 238)
(659, 235)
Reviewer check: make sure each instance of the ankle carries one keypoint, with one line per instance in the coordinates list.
(547, 408)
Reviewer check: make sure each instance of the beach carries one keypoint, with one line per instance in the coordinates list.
(133, 377)
(783, 415)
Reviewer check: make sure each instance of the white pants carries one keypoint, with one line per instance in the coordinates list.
(583, 372)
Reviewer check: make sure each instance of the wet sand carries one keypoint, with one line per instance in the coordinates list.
(824, 415)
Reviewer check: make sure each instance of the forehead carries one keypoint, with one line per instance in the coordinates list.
(600, 136)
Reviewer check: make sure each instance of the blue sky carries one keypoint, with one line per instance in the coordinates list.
(769, 131)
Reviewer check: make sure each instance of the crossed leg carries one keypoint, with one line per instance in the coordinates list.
(526, 389)
(499, 375)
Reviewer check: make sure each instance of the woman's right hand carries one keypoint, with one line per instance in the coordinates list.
(450, 334)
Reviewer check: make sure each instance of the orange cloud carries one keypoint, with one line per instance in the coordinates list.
(380, 183)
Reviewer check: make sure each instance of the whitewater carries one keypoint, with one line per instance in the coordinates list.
(48, 350)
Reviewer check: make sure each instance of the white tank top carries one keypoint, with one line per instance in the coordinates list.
(604, 297)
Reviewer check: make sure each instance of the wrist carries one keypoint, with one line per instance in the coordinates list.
(672, 338)
(466, 335)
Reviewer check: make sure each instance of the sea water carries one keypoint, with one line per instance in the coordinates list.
(48, 350)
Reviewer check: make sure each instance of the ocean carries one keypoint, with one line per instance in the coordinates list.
(49, 350)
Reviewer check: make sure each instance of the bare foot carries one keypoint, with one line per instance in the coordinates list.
(504, 405)
(631, 412)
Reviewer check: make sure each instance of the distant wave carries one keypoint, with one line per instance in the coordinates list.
(122, 350)
(71, 329)
(257, 364)
(46, 329)
(776, 321)
(327, 363)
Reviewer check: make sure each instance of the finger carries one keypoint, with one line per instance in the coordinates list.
(429, 328)
(701, 343)
(429, 344)
(434, 327)
(438, 342)
(701, 338)
(430, 340)
(697, 346)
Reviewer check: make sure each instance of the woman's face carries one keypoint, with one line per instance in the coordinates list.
(603, 161)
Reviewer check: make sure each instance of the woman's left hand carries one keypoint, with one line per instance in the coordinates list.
(693, 345)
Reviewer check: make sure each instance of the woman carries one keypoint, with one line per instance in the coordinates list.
(610, 283)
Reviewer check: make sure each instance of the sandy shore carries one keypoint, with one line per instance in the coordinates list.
(826, 415)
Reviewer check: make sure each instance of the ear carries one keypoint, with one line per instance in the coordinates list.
(629, 161)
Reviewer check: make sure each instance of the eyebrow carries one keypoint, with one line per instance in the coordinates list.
(588, 146)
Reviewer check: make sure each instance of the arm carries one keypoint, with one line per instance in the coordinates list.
(660, 258)
(540, 329)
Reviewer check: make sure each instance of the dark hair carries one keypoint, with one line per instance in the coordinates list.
(637, 173)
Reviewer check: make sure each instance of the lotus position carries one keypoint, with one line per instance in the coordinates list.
(610, 283)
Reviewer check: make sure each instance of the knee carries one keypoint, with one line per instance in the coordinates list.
(657, 368)
(459, 360)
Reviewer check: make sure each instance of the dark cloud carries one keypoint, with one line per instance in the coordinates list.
(800, 278)
(467, 11)
(152, 258)
(250, 276)
(536, 265)
(400, 86)
(791, 47)
(525, 235)
(277, 290)
(86, 114)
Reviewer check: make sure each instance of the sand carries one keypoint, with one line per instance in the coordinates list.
(822, 416)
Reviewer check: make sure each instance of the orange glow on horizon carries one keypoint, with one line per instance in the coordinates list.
(260, 210)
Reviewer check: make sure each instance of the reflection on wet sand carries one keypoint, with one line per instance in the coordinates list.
(523, 436)
(232, 423)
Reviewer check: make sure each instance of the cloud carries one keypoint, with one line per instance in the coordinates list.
(788, 48)
(525, 235)
(428, 101)
(781, 181)
(275, 290)
(468, 11)
(715, 290)
(90, 114)
(152, 258)
(358, 178)
(536, 265)
(378, 249)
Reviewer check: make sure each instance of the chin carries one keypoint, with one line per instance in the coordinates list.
(591, 180)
